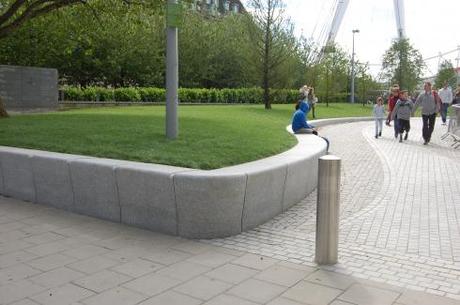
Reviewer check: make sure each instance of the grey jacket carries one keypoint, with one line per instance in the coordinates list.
(379, 111)
(429, 105)
(403, 110)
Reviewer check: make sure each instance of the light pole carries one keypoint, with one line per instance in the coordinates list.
(172, 69)
(353, 68)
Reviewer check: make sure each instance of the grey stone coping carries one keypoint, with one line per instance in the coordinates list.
(174, 200)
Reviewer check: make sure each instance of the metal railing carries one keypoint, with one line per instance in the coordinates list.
(453, 130)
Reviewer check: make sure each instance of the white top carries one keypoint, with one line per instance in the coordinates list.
(446, 95)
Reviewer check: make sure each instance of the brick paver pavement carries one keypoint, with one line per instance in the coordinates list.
(48, 256)
(400, 212)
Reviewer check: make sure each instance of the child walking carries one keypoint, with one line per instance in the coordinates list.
(403, 111)
(379, 116)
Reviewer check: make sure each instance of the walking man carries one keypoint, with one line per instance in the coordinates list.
(446, 99)
(429, 100)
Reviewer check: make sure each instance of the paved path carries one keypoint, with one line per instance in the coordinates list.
(400, 212)
(405, 238)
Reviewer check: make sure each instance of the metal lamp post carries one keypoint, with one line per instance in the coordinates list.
(353, 68)
(172, 69)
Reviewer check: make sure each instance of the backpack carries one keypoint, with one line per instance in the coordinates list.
(437, 99)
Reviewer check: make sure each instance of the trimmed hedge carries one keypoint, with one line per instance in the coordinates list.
(186, 95)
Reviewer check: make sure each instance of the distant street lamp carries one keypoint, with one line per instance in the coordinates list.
(353, 68)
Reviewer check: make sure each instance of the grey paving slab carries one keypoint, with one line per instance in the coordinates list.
(25, 302)
(152, 284)
(309, 293)
(56, 277)
(331, 279)
(165, 256)
(225, 299)
(63, 295)
(230, 273)
(211, 258)
(172, 298)
(284, 301)
(92, 264)
(281, 275)
(137, 267)
(102, 280)
(115, 296)
(16, 273)
(184, 271)
(203, 288)
(366, 295)
(50, 262)
(258, 262)
(257, 291)
(18, 290)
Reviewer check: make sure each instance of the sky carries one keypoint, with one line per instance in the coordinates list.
(431, 26)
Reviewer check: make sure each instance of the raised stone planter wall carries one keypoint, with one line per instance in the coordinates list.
(173, 200)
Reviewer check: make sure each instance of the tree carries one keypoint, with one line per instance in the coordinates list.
(402, 64)
(15, 13)
(447, 74)
(333, 73)
(364, 82)
(270, 37)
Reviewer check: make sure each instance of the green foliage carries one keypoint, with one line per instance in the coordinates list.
(446, 74)
(112, 44)
(153, 95)
(186, 95)
(127, 95)
(403, 65)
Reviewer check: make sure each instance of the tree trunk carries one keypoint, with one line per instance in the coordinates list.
(3, 113)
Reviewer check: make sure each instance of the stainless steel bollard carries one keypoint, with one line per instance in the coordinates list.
(327, 212)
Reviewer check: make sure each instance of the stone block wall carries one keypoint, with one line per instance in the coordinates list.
(28, 88)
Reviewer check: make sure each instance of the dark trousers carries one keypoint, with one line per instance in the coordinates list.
(396, 127)
(428, 126)
(403, 125)
(444, 109)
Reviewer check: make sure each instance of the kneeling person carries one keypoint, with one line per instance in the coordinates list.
(403, 111)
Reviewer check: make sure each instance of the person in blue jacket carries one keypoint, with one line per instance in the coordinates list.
(299, 121)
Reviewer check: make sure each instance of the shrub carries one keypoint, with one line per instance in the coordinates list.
(153, 95)
(186, 95)
(73, 94)
(128, 94)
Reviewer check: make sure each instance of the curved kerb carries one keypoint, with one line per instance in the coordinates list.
(178, 201)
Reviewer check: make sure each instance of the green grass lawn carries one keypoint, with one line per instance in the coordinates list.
(209, 136)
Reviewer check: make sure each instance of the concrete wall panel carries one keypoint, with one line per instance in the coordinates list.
(209, 205)
(147, 198)
(52, 181)
(18, 181)
(95, 189)
(264, 195)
